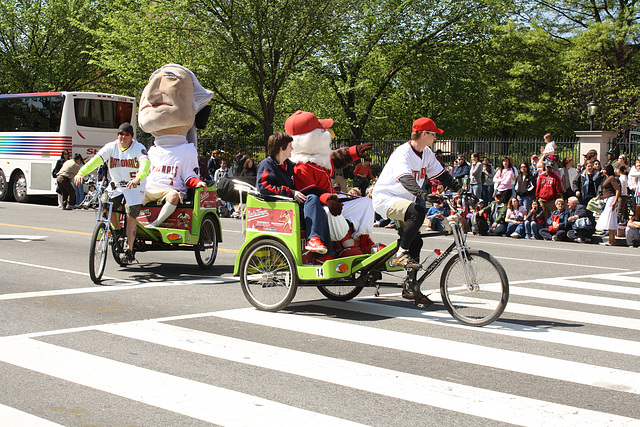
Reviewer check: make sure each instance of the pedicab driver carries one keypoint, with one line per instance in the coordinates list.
(400, 183)
(128, 161)
(168, 108)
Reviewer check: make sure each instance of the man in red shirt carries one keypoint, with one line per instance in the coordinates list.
(548, 188)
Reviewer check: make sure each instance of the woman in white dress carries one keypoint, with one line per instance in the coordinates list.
(608, 218)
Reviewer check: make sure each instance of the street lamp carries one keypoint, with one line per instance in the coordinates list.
(592, 108)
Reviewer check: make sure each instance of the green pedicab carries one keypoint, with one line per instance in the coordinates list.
(272, 264)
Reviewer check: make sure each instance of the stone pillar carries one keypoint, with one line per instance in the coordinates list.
(595, 140)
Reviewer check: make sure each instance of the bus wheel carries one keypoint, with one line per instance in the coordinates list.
(19, 185)
(4, 187)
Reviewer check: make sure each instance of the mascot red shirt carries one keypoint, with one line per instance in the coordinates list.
(315, 164)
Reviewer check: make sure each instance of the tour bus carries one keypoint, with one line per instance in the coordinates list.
(36, 127)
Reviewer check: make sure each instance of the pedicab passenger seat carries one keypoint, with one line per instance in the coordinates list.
(188, 200)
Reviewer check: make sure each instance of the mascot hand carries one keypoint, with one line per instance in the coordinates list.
(363, 148)
(335, 207)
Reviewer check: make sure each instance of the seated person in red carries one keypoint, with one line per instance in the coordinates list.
(275, 176)
(315, 164)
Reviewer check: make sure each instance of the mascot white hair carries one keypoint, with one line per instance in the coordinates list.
(316, 162)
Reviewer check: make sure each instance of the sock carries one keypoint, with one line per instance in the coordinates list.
(165, 212)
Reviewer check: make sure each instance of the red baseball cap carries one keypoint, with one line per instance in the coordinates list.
(425, 123)
(302, 122)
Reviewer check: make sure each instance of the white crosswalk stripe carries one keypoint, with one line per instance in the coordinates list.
(577, 357)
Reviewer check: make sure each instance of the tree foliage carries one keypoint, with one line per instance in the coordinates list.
(43, 49)
(480, 67)
(376, 41)
(257, 46)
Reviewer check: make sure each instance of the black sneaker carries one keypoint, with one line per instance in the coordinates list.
(127, 256)
(408, 294)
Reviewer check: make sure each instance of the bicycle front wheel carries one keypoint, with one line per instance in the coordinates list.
(98, 251)
(268, 275)
(474, 291)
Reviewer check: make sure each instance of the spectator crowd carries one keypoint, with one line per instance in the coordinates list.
(547, 197)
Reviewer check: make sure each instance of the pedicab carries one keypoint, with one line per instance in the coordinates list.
(272, 264)
(193, 226)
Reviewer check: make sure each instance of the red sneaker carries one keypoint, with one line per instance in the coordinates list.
(316, 245)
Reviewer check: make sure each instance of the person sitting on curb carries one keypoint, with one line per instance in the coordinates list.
(581, 220)
(632, 231)
(534, 221)
(557, 223)
(436, 216)
(515, 219)
(497, 211)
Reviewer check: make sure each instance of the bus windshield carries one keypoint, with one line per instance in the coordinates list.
(39, 113)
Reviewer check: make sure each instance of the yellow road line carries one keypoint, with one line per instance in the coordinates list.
(47, 229)
(233, 251)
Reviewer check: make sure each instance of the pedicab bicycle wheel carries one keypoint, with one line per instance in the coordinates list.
(483, 298)
(207, 247)
(268, 275)
(340, 293)
(98, 251)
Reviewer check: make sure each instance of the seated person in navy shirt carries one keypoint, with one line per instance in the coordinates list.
(275, 177)
(436, 215)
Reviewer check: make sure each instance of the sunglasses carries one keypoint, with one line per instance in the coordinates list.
(124, 134)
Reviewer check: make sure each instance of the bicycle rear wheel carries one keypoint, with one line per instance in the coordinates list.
(340, 293)
(98, 251)
(480, 300)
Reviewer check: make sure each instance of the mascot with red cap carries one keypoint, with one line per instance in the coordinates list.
(315, 164)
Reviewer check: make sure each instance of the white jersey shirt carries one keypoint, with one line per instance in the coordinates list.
(403, 161)
(123, 166)
(173, 162)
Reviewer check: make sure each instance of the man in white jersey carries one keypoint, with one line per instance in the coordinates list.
(168, 107)
(128, 161)
(400, 183)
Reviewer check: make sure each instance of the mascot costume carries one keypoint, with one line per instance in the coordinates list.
(168, 108)
(315, 164)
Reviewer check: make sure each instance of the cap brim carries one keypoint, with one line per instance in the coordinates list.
(326, 123)
(437, 130)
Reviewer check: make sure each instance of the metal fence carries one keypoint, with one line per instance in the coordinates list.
(231, 144)
(519, 150)
(495, 149)
(628, 144)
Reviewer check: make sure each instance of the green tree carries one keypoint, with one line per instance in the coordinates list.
(254, 48)
(377, 41)
(43, 49)
(601, 60)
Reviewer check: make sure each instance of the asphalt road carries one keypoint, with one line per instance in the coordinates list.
(163, 343)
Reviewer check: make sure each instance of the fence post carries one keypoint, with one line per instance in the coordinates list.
(595, 140)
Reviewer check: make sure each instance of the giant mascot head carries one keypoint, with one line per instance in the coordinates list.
(170, 101)
(311, 138)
